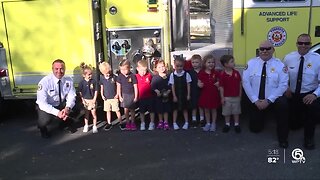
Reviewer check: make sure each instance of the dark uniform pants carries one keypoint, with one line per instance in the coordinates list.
(280, 109)
(303, 115)
(45, 118)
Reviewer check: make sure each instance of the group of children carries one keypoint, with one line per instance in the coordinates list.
(200, 90)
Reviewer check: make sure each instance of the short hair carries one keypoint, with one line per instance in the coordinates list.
(225, 59)
(304, 35)
(105, 67)
(58, 61)
(207, 57)
(142, 63)
(196, 56)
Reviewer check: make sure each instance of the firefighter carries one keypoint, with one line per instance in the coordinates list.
(265, 80)
(304, 89)
(55, 98)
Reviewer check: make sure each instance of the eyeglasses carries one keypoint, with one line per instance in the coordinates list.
(265, 48)
(303, 43)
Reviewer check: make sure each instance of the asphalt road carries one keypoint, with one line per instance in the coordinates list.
(114, 154)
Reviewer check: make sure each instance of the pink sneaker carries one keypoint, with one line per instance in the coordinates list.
(128, 126)
(166, 126)
(133, 127)
(160, 125)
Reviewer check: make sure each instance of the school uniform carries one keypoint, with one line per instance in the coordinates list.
(145, 94)
(209, 94)
(127, 90)
(180, 81)
(109, 92)
(300, 113)
(195, 90)
(87, 90)
(162, 103)
(276, 83)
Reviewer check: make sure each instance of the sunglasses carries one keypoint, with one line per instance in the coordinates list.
(305, 43)
(265, 48)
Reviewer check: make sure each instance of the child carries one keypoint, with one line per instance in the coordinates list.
(128, 92)
(145, 94)
(196, 62)
(230, 92)
(180, 86)
(163, 90)
(209, 96)
(88, 92)
(109, 95)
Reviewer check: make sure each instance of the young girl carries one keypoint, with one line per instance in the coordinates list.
(209, 96)
(109, 95)
(196, 62)
(162, 89)
(180, 87)
(127, 90)
(88, 91)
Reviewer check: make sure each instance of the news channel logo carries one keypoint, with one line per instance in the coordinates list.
(297, 155)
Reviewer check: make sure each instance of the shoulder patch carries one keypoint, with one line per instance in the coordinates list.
(39, 87)
(285, 69)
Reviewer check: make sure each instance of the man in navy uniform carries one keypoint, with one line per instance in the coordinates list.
(304, 74)
(265, 79)
(55, 97)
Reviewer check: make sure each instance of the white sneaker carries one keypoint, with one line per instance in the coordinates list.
(143, 126)
(185, 126)
(207, 127)
(94, 129)
(175, 126)
(213, 127)
(85, 128)
(151, 126)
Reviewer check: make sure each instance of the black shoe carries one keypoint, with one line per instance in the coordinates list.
(122, 126)
(107, 127)
(283, 144)
(309, 144)
(194, 124)
(44, 133)
(237, 129)
(226, 128)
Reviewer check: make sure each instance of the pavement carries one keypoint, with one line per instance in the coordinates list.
(182, 154)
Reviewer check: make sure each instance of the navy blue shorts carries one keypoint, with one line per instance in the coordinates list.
(146, 105)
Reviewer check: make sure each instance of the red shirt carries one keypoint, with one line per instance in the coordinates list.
(144, 85)
(231, 83)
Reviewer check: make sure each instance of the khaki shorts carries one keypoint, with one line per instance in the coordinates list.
(231, 106)
(111, 105)
(89, 104)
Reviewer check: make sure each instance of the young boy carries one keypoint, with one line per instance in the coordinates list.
(109, 95)
(196, 62)
(145, 94)
(230, 92)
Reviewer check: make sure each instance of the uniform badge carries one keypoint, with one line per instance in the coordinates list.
(246, 67)
(272, 70)
(67, 84)
(285, 69)
(129, 80)
(39, 87)
(164, 77)
(309, 65)
(91, 86)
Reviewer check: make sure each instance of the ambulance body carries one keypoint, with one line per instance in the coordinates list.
(280, 22)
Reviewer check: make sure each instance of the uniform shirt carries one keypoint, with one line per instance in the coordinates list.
(88, 88)
(127, 83)
(48, 93)
(276, 79)
(109, 86)
(144, 85)
(310, 75)
(160, 83)
(171, 79)
(231, 83)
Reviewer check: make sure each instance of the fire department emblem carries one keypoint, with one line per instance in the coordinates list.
(277, 36)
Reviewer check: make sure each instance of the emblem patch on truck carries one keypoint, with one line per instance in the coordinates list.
(277, 36)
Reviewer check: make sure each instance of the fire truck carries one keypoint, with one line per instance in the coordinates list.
(35, 32)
